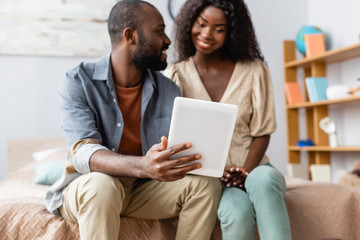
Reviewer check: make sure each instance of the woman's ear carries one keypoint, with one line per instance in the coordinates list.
(129, 35)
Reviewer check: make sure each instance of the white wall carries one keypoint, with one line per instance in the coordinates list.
(28, 85)
(29, 101)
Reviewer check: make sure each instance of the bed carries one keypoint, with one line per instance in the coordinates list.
(316, 210)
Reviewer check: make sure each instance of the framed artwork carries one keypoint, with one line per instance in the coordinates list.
(55, 27)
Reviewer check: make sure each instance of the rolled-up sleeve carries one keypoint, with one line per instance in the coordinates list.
(81, 159)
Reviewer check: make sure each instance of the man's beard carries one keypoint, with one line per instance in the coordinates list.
(143, 60)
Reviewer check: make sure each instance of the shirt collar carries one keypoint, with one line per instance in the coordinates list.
(150, 77)
(103, 71)
(102, 68)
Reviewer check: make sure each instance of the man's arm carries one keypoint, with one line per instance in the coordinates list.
(155, 164)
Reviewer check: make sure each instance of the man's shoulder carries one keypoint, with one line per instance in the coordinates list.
(83, 71)
(163, 82)
(90, 69)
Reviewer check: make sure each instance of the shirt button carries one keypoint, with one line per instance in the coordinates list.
(113, 149)
(119, 124)
(114, 100)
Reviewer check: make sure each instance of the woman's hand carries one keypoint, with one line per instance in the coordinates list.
(234, 176)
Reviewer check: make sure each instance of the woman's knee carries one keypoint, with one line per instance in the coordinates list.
(265, 178)
(236, 215)
(235, 208)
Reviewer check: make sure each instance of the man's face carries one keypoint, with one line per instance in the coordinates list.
(152, 41)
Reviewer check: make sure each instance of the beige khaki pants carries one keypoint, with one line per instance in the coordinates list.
(95, 201)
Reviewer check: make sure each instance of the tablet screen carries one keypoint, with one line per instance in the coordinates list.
(209, 127)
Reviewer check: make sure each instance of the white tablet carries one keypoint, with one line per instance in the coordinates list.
(209, 127)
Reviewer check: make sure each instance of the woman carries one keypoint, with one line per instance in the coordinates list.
(218, 59)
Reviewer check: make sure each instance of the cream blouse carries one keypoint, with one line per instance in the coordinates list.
(250, 88)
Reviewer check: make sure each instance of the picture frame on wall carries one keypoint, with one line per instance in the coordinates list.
(55, 28)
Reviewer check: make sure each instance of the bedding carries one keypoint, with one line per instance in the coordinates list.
(317, 211)
(23, 215)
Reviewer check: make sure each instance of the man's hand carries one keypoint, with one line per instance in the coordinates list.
(234, 176)
(155, 164)
(158, 166)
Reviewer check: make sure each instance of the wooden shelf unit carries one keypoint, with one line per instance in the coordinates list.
(321, 103)
(324, 149)
(314, 112)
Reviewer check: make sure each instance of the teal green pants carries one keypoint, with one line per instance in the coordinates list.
(262, 204)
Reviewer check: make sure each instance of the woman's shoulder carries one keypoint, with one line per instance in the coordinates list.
(254, 63)
(256, 66)
(179, 68)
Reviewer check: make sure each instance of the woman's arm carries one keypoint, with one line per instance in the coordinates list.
(236, 175)
(256, 152)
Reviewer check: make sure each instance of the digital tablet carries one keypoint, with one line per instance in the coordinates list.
(209, 127)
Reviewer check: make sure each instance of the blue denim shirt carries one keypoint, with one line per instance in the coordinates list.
(89, 110)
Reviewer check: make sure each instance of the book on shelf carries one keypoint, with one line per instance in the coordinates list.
(293, 93)
(314, 44)
(309, 90)
(316, 88)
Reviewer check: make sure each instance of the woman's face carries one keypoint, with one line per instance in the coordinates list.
(209, 30)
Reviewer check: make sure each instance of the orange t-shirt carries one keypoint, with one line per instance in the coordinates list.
(129, 101)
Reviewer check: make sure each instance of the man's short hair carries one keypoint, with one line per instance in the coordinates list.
(124, 14)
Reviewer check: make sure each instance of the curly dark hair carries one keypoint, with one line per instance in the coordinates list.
(240, 44)
(124, 14)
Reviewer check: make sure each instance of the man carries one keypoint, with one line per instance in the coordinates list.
(114, 113)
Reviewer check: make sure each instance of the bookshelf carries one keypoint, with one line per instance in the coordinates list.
(314, 111)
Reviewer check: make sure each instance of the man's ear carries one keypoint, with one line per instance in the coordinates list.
(129, 35)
